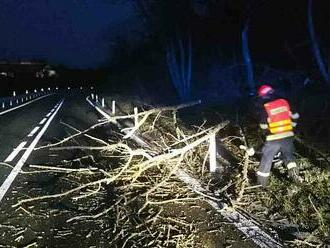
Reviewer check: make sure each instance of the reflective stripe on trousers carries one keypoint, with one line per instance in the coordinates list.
(269, 150)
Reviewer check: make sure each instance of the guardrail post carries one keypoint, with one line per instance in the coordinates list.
(92, 95)
(136, 117)
(22, 99)
(14, 93)
(3, 105)
(113, 107)
(11, 103)
(102, 102)
(96, 98)
(26, 92)
(16, 101)
(213, 153)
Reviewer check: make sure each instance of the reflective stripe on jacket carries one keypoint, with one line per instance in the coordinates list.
(279, 119)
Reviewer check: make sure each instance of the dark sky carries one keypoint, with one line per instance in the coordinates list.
(76, 33)
(79, 33)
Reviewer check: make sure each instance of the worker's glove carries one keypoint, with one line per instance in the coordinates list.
(294, 175)
(250, 151)
(295, 116)
(263, 126)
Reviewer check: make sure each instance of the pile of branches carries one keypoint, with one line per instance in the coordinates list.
(140, 182)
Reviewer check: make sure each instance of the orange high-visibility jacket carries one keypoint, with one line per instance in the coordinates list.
(279, 117)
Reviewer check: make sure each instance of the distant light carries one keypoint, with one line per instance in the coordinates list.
(48, 88)
(42, 89)
(69, 88)
(81, 87)
(51, 73)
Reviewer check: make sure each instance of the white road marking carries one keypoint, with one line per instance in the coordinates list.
(22, 105)
(43, 121)
(48, 114)
(33, 131)
(9, 180)
(15, 152)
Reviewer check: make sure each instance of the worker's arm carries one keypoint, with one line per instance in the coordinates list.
(262, 115)
(294, 116)
(263, 126)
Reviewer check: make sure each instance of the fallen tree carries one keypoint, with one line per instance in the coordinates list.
(144, 187)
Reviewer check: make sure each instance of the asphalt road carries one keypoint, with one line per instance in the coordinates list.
(38, 124)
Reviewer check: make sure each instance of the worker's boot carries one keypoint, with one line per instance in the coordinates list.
(262, 181)
(294, 175)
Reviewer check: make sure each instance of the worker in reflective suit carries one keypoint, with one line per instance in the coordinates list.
(277, 120)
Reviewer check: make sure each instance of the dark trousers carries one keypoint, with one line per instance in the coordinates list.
(269, 150)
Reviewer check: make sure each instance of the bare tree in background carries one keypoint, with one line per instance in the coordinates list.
(179, 63)
(168, 22)
(315, 45)
(247, 58)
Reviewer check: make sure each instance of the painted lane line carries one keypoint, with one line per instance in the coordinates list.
(15, 152)
(33, 131)
(9, 180)
(24, 104)
(48, 114)
(43, 121)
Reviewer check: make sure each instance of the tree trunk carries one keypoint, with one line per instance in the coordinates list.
(315, 46)
(189, 66)
(179, 63)
(247, 60)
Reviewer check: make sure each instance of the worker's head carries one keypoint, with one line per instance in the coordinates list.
(265, 91)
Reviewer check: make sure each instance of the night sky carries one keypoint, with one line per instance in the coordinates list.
(80, 34)
(74, 33)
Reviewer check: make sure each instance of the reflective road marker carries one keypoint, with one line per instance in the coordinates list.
(22, 105)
